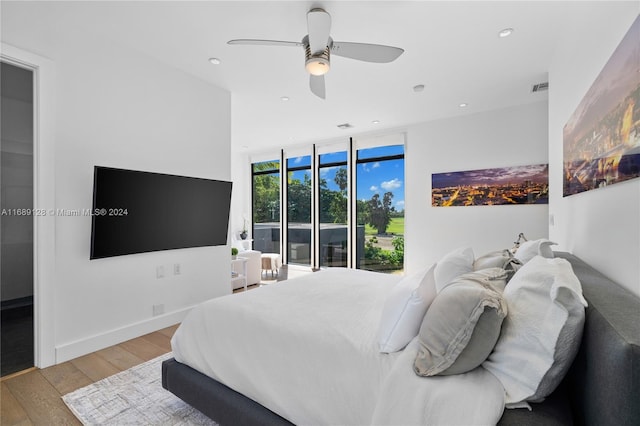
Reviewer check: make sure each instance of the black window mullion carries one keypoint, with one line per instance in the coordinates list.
(389, 157)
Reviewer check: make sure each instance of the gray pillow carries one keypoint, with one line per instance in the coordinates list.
(462, 324)
(498, 259)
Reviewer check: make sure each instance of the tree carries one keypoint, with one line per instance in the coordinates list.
(340, 179)
(266, 198)
(380, 211)
(339, 201)
(338, 207)
(333, 204)
(266, 191)
(299, 199)
(362, 210)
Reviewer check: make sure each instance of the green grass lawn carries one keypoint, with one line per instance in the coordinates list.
(396, 227)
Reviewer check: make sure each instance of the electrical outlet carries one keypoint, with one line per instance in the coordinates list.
(158, 309)
(176, 269)
(159, 271)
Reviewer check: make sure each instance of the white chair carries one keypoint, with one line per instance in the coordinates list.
(254, 271)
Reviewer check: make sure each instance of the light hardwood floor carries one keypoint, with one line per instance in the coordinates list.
(34, 397)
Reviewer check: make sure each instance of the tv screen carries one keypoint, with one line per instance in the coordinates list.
(137, 212)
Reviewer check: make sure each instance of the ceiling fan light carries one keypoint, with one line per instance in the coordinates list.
(317, 66)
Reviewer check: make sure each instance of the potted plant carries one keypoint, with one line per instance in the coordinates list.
(234, 253)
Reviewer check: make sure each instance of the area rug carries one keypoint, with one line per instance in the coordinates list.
(133, 397)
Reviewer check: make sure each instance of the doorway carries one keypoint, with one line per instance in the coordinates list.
(16, 220)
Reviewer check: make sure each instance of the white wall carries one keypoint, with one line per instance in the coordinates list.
(509, 137)
(118, 108)
(601, 226)
(241, 197)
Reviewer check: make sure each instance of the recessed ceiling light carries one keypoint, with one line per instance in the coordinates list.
(376, 121)
(284, 98)
(463, 105)
(418, 88)
(215, 61)
(506, 32)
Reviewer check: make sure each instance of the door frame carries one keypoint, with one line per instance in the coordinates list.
(44, 202)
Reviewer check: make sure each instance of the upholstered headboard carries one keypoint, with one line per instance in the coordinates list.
(604, 380)
(603, 384)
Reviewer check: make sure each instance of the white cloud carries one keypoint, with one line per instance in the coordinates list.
(400, 205)
(367, 167)
(373, 188)
(325, 171)
(392, 184)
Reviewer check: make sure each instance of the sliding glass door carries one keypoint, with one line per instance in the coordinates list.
(299, 210)
(380, 208)
(333, 208)
(266, 206)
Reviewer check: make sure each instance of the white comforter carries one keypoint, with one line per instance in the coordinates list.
(306, 349)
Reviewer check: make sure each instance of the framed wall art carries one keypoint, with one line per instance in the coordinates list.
(487, 187)
(601, 140)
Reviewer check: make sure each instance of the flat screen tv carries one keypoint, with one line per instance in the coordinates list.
(137, 212)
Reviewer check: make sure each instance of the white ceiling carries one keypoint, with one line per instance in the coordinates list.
(451, 47)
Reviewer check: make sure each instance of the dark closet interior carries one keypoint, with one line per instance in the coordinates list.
(16, 220)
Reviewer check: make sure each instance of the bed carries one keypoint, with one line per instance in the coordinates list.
(324, 367)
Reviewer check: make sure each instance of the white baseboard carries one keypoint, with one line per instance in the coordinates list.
(72, 350)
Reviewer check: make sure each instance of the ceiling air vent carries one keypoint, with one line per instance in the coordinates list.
(540, 87)
(344, 126)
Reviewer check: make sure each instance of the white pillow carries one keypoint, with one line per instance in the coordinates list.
(452, 265)
(404, 310)
(542, 331)
(529, 249)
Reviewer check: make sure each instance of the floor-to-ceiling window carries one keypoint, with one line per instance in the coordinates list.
(380, 208)
(344, 205)
(299, 210)
(266, 206)
(333, 203)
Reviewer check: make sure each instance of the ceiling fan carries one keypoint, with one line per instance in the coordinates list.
(319, 46)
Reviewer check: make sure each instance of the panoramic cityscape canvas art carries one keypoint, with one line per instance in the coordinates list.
(602, 138)
(488, 187)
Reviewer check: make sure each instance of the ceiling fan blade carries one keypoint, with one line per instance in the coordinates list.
(316, 83)
(319, 25)
(254, 42)
(366, 52)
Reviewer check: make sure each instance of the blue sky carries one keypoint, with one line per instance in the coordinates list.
(380, 177)
(372, 177)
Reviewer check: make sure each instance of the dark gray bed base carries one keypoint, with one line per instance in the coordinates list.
(602, 387)
(219, 402)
